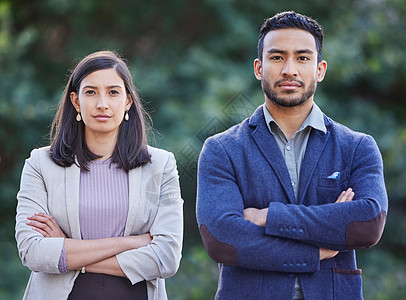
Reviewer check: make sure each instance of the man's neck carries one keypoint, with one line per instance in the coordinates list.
(289, 119)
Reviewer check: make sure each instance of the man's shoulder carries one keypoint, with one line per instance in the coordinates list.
(239, 132)
(343, 133)
(341, 129)
(236, 134)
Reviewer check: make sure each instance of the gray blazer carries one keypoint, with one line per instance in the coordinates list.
(155, 206)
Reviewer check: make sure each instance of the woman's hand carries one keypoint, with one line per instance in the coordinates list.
(46, 225)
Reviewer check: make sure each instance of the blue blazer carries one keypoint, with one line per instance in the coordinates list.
(243, 167)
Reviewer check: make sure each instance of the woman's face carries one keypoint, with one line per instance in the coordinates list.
(102, 100)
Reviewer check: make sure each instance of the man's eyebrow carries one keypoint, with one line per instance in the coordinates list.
(275, 50)
(307, 51)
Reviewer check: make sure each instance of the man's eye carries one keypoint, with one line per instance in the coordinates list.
(276, 57)
(303, 58)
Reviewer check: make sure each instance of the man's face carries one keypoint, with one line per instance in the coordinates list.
(289, 71)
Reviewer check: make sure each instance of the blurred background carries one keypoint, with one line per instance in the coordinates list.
(192, 63)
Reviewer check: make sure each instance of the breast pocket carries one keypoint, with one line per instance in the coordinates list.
(329, 186)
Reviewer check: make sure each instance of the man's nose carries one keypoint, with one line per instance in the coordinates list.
(289, 68)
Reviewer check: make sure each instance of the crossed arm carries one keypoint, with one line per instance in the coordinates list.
(98, 256)
(295, 237)
(258, 217)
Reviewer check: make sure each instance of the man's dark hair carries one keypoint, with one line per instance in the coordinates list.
(291, 19)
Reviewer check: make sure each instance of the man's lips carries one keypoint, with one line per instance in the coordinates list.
(289, 85)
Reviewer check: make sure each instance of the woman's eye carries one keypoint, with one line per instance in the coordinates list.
(89, 92)
(114, 92)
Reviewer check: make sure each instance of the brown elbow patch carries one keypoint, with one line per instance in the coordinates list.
(218, 251)
(364, 234)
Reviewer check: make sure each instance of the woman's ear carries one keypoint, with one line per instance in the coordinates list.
(75, 101)
(129, 102)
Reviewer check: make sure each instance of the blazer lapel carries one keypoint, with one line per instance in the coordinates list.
(134, 190)
(315, 145)
(270, 150)
(72, 177)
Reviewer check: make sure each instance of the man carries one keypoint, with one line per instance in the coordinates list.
(286, 196)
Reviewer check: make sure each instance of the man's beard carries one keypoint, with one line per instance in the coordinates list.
(289, 101)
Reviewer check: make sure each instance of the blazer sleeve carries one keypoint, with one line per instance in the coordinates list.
(36, 252)
(161, 258)
(227, 237)
(342, 226)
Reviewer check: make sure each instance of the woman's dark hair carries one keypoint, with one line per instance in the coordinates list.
(68, 143)
(290, 19)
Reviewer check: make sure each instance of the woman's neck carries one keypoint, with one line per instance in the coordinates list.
(101, 145)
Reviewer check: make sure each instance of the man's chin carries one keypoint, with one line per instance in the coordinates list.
(283, 102)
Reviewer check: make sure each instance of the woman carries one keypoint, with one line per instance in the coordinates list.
(99, 212)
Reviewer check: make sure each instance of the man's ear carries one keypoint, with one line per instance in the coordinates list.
(321, 70)
(258, 69)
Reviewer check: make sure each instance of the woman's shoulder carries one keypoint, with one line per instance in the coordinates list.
(159, 155)
(40, 157)
(40, 153)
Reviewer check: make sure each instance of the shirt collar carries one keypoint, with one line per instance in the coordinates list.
(315, 119)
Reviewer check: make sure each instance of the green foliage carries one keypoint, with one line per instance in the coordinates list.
(196, 278)
(192, 62)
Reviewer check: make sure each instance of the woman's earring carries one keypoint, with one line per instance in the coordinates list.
(78, 117)
(126, 116)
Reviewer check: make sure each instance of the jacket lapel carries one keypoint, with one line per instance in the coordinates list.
(269, 149)
(315, 146)
(134, 194)
(72, 176)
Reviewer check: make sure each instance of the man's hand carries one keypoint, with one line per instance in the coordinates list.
(326, 253)
(256, 216)
(345, 196)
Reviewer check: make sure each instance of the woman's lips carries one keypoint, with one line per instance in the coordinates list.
(102, 117)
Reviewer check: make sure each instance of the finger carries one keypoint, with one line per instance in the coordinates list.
(46, 219)
(50, 220)
(339, 199)
(44, 234)
(39, 218)
(348, 195)
(39, 225)
(345, 196)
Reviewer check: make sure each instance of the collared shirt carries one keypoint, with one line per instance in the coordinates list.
(293, 150)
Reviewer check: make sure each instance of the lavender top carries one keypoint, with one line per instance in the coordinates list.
(103, 203)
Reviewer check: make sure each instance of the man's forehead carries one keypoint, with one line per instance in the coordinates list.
(289, 39)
